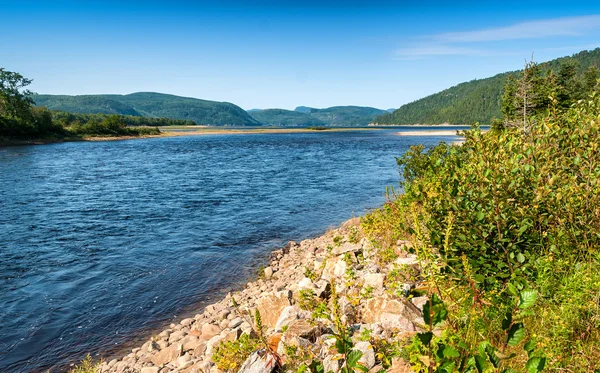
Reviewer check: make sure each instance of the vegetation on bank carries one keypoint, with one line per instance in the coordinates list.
(480, 100)
(508, 228)
(151, 104)
(20, 120)
(285, 118)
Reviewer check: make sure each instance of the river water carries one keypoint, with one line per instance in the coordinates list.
(102, 242)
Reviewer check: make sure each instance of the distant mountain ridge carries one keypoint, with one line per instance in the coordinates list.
(350, 116)
(151, 104)
(470, 102)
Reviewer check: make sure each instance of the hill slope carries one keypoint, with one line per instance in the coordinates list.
(151, 104)
(344, 115)
(288, 118)
(470, 102)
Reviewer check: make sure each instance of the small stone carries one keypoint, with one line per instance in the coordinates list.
(257, 363)
(288, 315)
(235, 322)
(268, 272)
(149, 370)
(187, 322)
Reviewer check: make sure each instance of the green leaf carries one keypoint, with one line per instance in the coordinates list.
(527, 298)
(507, 321)
(535, 364)
(491, 353)
(450, 352)
(425, 338)
(480, 363)
(529, 347)
(512, 289)
(480, 215)
(353, 358)
(516, 334)
(446, 367)
(520, 258)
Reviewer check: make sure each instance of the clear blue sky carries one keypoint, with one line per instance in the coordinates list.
(283, 54)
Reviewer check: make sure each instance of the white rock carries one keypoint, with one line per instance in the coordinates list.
(368, 354)
(306, 284)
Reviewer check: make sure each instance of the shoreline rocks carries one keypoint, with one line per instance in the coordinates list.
(370, 299)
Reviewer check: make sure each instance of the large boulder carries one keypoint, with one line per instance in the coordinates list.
(391, 313)
(271, 305)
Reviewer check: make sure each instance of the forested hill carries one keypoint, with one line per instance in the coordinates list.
(149, 104)
(304, 116)
(285, 118)
(474, 101)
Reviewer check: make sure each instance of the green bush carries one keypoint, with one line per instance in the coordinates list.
(509, 210)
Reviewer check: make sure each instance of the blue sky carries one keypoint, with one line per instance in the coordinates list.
(263, 54)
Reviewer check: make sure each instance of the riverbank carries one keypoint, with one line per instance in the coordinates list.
(177, 131)
(293, 296)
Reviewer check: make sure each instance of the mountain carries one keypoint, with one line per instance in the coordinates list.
(286, 118)
(347, 115)
(474, 101)
(150, 104)
(303, 109)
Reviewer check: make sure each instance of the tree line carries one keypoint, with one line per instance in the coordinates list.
(21, 119)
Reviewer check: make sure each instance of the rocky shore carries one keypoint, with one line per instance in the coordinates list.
(370, 290)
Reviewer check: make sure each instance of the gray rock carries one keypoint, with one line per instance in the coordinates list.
(368, 354)
(257, 363)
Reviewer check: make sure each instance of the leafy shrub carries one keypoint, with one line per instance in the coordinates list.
(229, 356)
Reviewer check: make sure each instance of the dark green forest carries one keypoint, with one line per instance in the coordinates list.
(285, 118)
(343, 115)
(151, 105)
(478, 100)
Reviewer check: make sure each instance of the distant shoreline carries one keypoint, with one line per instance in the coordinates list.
(179, 131)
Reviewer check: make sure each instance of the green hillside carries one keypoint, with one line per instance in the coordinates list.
(151, 104)
(285, 118)
(474, 101)
(345, 115)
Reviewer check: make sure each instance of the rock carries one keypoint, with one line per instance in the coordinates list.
(408, 261)
(331, 365)
(374, 280)
(288, 315)
(303, 329)
(211, 345)
(209, 331)
(323, 289)
(347, 247)
(399, 366)
(199, 350)
(165, 355)
(149, 370)
(176, 336)
(368, 354)
(233, 335)
(183, 360)
(306, 284)
(257, 363)
(224, 314)
(378, 306)
(187, 322)
(190, 342)
(273, 341)
(419, 302)
(270, 307)
(376, 369)
(268, 272)
(234, 323)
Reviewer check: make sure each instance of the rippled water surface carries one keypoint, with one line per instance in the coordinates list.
(102, 241)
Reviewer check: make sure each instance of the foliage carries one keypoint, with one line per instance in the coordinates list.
(346, 115)
(231, 355)
(87, 365)
(153, 105)
(508, 228)
(479, 101)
